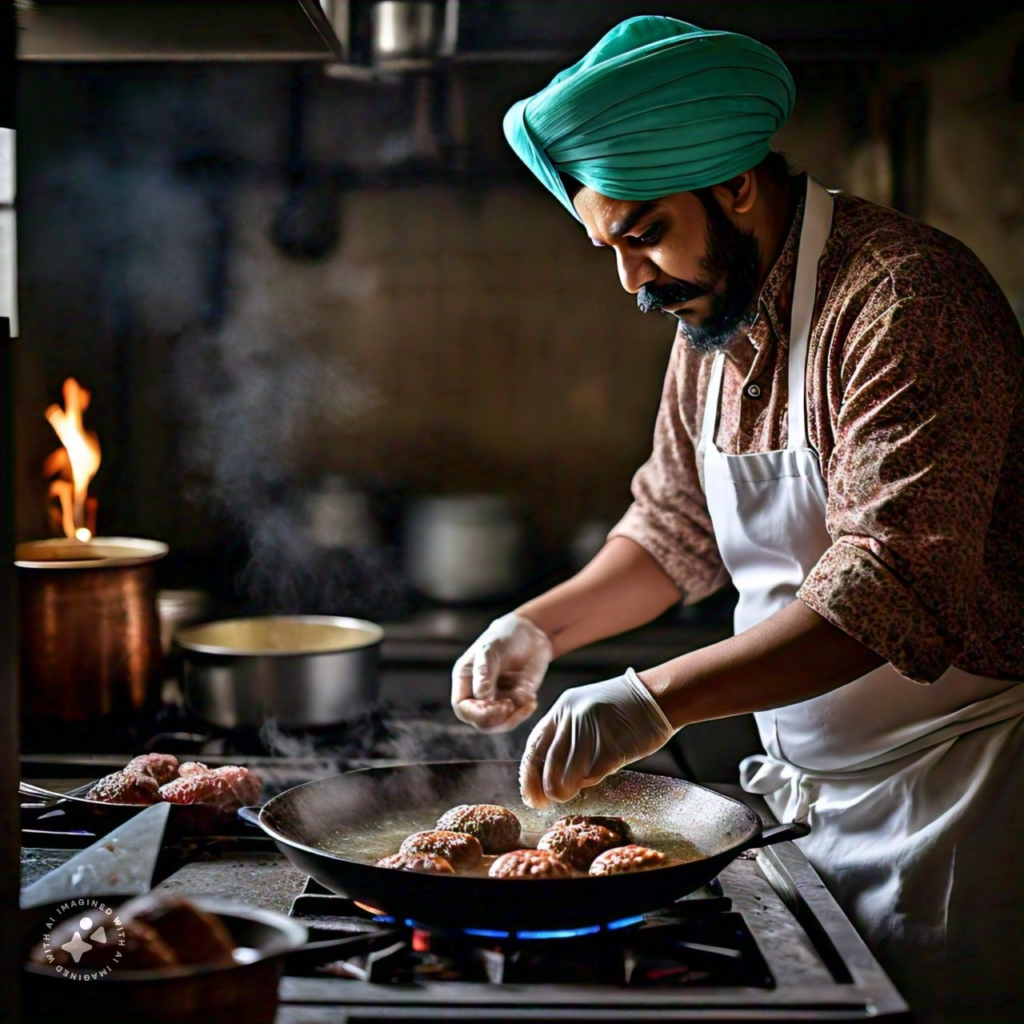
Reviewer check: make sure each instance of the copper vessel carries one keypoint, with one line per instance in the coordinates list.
(88, 625)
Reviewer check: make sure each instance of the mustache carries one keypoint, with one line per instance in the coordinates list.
(652, 298)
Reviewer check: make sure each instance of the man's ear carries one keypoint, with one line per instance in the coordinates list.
(737, 195)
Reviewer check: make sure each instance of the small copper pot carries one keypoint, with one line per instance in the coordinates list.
(90, 635)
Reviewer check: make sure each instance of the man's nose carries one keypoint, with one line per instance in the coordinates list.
(635, 271)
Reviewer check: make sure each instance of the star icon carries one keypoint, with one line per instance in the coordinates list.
(76, 947)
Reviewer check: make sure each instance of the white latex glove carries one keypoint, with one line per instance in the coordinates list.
(590, 732)
(495, 683)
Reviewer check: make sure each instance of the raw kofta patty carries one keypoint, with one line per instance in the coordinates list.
(460, 849)
(125, 787)
(578, 845)
(496, 827)
(529, 864)
(162, 767)
(228, 787)
(626, 859)
(617, 825)
(428, 863)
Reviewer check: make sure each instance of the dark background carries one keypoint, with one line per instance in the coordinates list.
(266, 275)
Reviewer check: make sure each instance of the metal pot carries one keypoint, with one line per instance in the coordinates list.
(465, 547)
(300, 670)
(409, 30)
(90, 636)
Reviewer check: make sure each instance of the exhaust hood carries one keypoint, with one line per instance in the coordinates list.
(174, 30)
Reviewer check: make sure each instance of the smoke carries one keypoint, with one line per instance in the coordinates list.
(258, 395)
(403, 734)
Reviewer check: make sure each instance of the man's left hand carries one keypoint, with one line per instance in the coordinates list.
(590, 732)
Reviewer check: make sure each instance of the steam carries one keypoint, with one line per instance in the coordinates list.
(393, 733)
(259, 394)
(252, 399)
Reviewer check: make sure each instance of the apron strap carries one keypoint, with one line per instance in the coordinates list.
(711, 404)
(814, 234)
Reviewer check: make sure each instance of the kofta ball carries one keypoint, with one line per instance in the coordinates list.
(578, 845)
(496, 827)
(460, 849)
(162, 767)
(196, 935)
(529, 864)
(125, 787)
(623, 860)
(617, 825)
(427, 863)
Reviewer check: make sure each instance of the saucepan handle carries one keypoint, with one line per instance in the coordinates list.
(250, 815)
(779, 834)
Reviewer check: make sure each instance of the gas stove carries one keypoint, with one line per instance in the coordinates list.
(763, 942)
(698, 940)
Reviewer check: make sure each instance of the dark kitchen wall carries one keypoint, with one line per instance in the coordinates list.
(266, 275)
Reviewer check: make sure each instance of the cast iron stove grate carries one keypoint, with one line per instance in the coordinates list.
(697, 941)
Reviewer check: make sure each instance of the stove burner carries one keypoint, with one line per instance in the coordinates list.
(316, 899)
(698, 940)
(494, 933)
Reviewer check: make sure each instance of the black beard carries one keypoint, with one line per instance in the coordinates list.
(735, 257)
(732, 256)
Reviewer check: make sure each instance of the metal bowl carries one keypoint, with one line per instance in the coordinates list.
(244, 988)
(300, 670)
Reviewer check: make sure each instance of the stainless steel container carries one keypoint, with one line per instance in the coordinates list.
(177, 609)
(90, 638)
(466, 547)
(299, 670)
(407, 30)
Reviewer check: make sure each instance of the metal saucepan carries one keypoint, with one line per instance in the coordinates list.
(300, 670)
(337, 828)
(245, 989)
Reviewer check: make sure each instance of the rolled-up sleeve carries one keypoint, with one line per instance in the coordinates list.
(668, 517)
(925, 403)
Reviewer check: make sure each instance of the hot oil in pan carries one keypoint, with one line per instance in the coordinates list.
(384, 835)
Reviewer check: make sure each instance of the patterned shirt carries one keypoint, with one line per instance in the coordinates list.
(914, 404)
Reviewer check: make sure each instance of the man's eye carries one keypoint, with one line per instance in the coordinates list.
(651, 235)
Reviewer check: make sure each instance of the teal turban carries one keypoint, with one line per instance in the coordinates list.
(657, 106)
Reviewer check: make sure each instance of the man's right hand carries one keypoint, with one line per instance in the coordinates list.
(495, 683)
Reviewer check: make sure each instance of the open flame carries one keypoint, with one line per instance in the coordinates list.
(74, 464)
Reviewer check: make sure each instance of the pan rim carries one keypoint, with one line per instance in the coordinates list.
(374, 631)
(428, 879)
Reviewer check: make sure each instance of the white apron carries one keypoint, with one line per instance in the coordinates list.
(913, 793)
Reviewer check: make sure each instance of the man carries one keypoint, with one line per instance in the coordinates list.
(839, 433)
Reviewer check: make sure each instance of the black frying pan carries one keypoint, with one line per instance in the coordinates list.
(336, 828)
